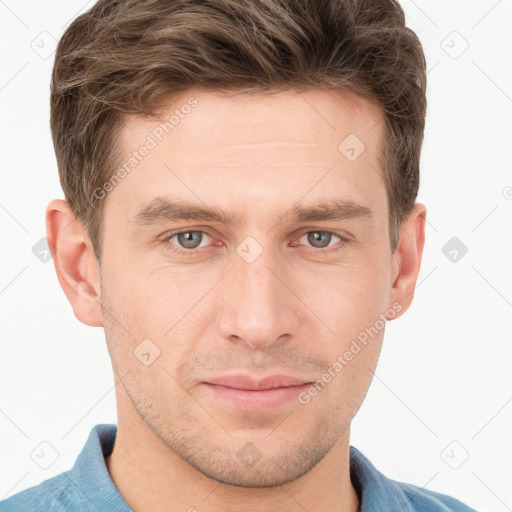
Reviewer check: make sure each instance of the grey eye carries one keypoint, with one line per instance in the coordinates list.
(189, 239)
(319, 239)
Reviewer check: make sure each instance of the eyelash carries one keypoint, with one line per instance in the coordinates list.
(192, 252)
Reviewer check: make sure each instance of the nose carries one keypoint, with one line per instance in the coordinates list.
(259, 306)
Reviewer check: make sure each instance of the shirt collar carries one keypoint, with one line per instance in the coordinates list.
(376, 491)
(90, 473)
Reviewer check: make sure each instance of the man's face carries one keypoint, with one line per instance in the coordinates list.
(267, 294)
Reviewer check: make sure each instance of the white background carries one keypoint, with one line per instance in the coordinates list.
(445, 369)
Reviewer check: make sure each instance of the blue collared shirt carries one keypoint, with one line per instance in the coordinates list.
(87, 487)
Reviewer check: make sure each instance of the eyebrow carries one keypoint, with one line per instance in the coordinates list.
(161, 209)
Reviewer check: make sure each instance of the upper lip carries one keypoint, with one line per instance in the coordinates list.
(248, 383)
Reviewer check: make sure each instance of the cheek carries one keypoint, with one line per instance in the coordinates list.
(152, 305)
(147, 299)
(348, 298)
(352, 303)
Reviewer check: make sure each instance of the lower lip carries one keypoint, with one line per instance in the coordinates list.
(252, 400)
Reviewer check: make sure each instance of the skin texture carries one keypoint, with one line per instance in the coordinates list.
(293, 310)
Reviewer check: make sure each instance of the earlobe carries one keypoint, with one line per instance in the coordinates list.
(75, 262)
(407, 258)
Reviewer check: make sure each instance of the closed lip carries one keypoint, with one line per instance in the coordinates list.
(250, 384)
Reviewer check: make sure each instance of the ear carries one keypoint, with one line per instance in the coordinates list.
(75, 262)
(407, 259)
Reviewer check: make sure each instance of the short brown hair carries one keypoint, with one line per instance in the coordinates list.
(123, 57)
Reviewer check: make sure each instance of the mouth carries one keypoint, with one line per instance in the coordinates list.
(248, 394)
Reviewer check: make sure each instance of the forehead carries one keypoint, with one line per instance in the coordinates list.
(276, 123)
(246, 148)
